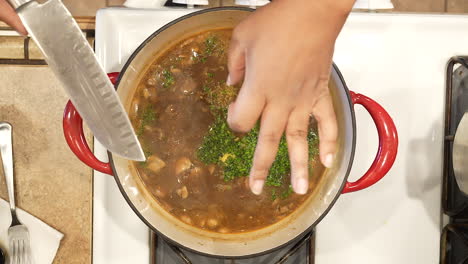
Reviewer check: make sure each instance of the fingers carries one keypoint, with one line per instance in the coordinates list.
(236, 62)
(328, 131)
(9, 16)
(245, 111)
(296, 136)
(272, 126)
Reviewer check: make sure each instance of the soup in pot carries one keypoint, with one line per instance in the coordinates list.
(197, 168)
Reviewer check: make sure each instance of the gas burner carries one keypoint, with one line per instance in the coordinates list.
(300, 252)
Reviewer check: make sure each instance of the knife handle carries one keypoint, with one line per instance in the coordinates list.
(17, 3)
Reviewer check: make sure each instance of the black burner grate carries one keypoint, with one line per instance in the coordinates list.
(454, 239)
(454, 202)
(454, 244)
(300, 252)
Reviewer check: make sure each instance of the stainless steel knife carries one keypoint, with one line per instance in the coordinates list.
(71, 58)
(460, 154)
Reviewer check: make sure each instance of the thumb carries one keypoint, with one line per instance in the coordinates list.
(236, 62)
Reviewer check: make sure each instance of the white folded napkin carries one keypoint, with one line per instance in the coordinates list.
(44, 239)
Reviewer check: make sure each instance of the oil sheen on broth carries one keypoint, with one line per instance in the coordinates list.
(178, 102)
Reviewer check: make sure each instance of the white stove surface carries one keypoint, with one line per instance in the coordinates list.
(398, 60)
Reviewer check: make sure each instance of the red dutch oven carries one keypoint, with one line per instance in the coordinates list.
(328, 187)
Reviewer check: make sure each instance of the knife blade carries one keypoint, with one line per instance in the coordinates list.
(72, 60)
(460, 154)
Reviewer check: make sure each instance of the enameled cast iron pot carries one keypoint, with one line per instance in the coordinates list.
(329, 186)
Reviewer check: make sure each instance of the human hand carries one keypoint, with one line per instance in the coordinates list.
(9, 16)
(283, 52)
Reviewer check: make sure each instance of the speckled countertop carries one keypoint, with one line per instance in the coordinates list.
(51, 183)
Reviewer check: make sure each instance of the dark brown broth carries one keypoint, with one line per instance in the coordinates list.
(171, 133)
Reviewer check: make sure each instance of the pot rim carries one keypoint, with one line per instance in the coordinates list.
(292, 240)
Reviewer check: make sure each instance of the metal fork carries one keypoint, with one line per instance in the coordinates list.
(18, 234)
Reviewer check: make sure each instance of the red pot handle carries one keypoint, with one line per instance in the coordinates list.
(388, 144)
(73, 132)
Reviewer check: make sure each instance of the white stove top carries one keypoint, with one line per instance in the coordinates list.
(398, 60)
